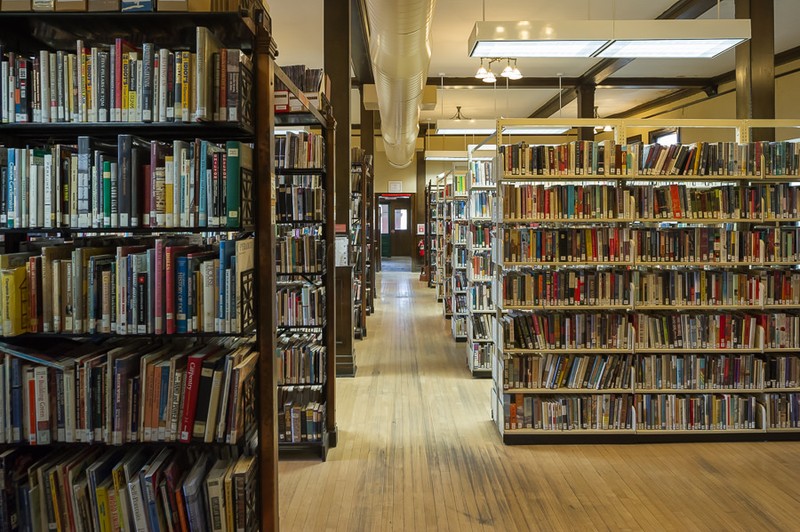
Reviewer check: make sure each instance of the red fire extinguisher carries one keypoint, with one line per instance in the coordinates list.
(421, 247)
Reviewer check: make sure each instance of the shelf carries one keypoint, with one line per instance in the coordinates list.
(60, 30)
(106, 130)
(679, 350)
(520, 351)
(484, 311)
(568, 391)
(543, 308)
(299, 222)
(299, 171)
(123, 230)
(481, 340)
(573, 221)
(697, 391)
(552, 432)
(482, 187)
(481, 219)
(668, 307)
(293, 327)
(698, 431)
(636, 177)
(563, 264)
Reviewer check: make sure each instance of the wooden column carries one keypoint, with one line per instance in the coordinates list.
(367, 131)
(265, 280)
(419, 201)
(755, 66)
(586, 110)
(337, 66)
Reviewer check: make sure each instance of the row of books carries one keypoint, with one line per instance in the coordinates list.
(300, 250)
(301, 414)
(697, 412)
(460, 303)
(718, 244)
(481, 265)
(459, 209)
(556, 413)
(605, 158)
(481, 173)
(123, 391)
(482, 354)
(481, 326)
(589, 287)
(713, 287)
(459, 325)
(300, 359)
(721, 245)
(481, 204)
(555, 371)
(460, 280)
(481, 236)
(300, 199)
(741, 371)
(132, 183)
(567, 331)
(480, 297)
(301, 304)
(718, 331)
(100, 488)
(565, 202)
(460, 233)
(126, 83)
(458, 187)
(663, 372)
(162, 286)
(459, 255)
(302, 150)
(596, 244)
(310, 81)
(783, 410)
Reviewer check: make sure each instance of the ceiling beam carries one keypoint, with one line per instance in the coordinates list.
(359, 43)
(553, 83)
(711, 90)
(682, 9)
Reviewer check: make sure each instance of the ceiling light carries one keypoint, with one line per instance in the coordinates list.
(607, 38)
(515, 73)
(481, 73)
(489, 126)
(676, 38)
(506, 73)
(539, 38)
(489, 77)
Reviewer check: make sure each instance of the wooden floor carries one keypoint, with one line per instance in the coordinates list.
(417, 451)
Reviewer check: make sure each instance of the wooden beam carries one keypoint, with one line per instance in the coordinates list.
(359, 43)
(683, 9)
(755, 65)
(337, 66)
(586, 110)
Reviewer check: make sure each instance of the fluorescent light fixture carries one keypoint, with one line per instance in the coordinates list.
(539, 38)
(489, 126)
(607, 38)
(483, 148)
(444, 155)
(675, 38)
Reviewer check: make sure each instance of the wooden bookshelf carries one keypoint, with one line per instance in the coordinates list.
(361, 173)
(27, 34)
(747, 396)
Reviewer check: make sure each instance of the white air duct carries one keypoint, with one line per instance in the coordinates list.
(400, 51)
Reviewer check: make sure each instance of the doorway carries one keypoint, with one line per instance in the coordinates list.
(396, 226)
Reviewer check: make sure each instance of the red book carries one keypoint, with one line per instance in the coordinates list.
(194, 365)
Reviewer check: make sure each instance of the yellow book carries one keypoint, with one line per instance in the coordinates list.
(14, 293)
(188, 81)
(133, 59)
(125, 85)
(169, 190)
(103, 513)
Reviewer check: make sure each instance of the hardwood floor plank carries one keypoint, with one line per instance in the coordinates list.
(418, 451)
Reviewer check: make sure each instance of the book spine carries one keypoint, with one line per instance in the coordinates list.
(192, 378)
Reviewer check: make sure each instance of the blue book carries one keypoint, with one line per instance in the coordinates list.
(181, 294)
(227, 249)
(203, 175)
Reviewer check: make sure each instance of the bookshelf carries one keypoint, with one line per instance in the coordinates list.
(361, 173)
(458, 258)
(306, 260)
(128, 291)
(480, 302)
(371, 238)
(646, 293)
(431, 221)
(441, 244)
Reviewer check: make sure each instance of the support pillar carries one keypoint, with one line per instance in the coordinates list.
(755, 66)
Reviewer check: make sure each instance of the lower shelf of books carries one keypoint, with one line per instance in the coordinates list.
(479, 358)
(317, 447)
(302, 419)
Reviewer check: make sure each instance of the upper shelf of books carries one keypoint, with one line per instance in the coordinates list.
(709, 150)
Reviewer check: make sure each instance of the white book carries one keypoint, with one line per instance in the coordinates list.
(163, 64)
(209, 273)
(21, 188)
(73, 191)
(94, 77)
(169, 190)
(42, 407)
(44, 86)
(11, 114)
(139, 99)
(33, 197)
(49, 192)
(53, 87)
(4, 90)
(213, 406)
(114, 195)
(138, 510)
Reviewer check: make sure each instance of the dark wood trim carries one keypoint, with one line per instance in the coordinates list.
(337, 66)
(267, 420)
(359, 43)
(586, 110)
(755, 65)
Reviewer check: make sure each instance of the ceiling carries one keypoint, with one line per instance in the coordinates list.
(453, 21)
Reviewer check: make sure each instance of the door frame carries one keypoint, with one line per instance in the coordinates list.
(412, 219)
